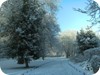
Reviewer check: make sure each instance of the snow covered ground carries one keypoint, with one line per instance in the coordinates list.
(49, 66)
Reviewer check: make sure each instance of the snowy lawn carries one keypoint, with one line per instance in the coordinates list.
(49, 66)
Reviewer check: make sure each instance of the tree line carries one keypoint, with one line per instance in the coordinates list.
(29, 29)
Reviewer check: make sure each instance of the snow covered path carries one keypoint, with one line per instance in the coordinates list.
(50, 66)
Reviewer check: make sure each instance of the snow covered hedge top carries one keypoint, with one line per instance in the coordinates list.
(87, 55)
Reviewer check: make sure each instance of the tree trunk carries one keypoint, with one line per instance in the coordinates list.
(20, 60)
(42, 57)
(66, 54)
(26, 63)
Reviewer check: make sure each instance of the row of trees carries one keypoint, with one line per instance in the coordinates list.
(73, 43)
(31, 29)
(30, 26)
(86, 39)
(93, 10)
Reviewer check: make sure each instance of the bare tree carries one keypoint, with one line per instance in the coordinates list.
(68, 42)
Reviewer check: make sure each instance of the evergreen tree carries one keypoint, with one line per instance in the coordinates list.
(28, 28)
(86, 39)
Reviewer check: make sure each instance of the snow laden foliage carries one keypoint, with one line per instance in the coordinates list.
(90, 60)
(92, 9)
(86, 39)
(93, 58)
(30, 27)
(68, 43)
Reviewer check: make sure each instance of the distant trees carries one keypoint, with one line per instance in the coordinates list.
(86, 39)
(30, 26)
(68, 43)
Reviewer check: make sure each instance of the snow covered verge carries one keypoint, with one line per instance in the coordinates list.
(50, 66)
(90, 60)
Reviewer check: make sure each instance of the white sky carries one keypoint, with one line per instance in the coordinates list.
(1, 1)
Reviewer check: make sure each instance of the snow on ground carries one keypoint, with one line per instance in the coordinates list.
(49, 66)
(86, 66)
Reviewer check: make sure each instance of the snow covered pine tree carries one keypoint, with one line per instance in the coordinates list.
(86, 39)
(28, 27)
